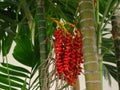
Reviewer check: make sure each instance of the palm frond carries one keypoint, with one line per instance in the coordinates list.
(12, 76)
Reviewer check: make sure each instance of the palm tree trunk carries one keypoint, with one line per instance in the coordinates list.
(42, 42)
(116, 36)
(91, 65)
(77, 85)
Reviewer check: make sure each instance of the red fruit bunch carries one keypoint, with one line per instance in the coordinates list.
(94, 2)
(68, 50)
(59, 51)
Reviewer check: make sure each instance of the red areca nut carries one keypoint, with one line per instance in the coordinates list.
(68, 50)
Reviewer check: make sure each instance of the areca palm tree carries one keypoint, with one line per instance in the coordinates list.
(91, 64)
(34, 41)
(26, 40)
(41, 17)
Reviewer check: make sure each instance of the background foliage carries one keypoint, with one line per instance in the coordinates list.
(15, 17)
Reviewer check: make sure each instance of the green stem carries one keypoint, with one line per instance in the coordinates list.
(99, 41)
(106, 51)
(109, 17)
(8, 73)
(105, 13)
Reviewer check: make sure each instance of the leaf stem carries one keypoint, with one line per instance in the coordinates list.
(8, 73)
(105, 13)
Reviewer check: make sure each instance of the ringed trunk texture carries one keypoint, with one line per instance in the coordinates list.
(42, 44)
(77, 85)
(116, 36)
(91, 65)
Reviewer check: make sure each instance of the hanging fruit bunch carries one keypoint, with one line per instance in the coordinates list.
(68, 53)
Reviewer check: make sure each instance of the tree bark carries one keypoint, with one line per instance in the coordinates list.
(116, 37)
(42, 44)
(91, 65)
(77, 85)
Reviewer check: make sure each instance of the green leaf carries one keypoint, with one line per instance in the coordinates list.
(108, 51)
(0, 46)
(4, 4)
(6, 45)
(35, 82)
(6, 87)
(14, 78)
(104, 3)
(13, 75)
(109, 58)
(36, 86)
(13, 67)
(13, 72)
(2, 34)
(107, 42)
(112, 70)
(50, 28)
(24, 85)
(7, 16)
(24, 52)
(7, 81)
(106, 74)
(65, 9)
